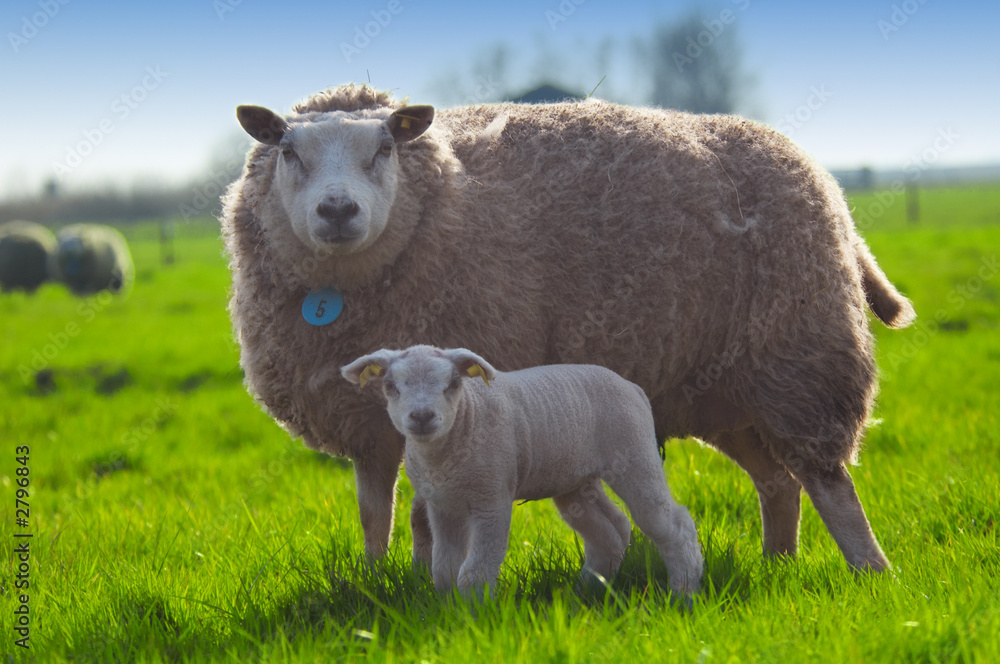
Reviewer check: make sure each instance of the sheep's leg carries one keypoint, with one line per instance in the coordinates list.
(450, 547)
(834, 496)
(376, 483)
(644, 490)
(488, 539)
(778, 491)
(604, 528)
(423, 540)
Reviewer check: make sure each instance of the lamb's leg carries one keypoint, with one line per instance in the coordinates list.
(489, 532)
(376, 484)
(451, 545)
(423, 541)
(643, 488)
(604, 528)
(834, 496)
(778, 491)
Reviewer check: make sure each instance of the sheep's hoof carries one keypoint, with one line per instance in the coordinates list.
(422, 568)
(592, 585)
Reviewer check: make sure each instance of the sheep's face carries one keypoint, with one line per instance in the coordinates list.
(423, 386)
(337, 175)
(71, 255)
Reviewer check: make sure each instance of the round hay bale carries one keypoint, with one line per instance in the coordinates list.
(25, 250)
(91, 258)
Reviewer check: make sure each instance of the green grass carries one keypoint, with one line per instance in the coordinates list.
(174, 521)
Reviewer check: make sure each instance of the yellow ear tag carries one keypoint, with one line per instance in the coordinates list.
(476, 370)
(369, 372)
(404, 122)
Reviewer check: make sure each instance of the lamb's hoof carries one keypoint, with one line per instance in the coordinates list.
(683, 597)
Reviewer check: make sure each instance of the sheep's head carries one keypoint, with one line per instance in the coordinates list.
(337, 172)
(422, 385)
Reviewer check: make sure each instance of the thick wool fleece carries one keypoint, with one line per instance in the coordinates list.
(705, 258)
(90, 258)
(25, 248)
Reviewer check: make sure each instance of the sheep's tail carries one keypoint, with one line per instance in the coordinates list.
(887, 303)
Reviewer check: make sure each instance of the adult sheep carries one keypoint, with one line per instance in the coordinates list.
(25, 248)
(705, 258)
(91, 258)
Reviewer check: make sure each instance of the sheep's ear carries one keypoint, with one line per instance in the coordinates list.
(408, 122)
(263, 124)
(364, 369)
(471, 365)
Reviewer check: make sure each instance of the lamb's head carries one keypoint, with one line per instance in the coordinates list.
(337, 173)
(423, 385)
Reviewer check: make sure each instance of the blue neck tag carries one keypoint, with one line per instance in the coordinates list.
(322, 307)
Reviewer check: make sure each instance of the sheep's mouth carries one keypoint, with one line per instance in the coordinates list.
(422, 432)
(337, 237)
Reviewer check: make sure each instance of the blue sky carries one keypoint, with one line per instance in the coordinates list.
(148, 90)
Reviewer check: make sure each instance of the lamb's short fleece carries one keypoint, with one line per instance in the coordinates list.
(474, 447)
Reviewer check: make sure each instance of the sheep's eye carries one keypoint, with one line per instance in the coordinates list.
(288, 153)
(390, 388)
(384, 151)
(453, 385)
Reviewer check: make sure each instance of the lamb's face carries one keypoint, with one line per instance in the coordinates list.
(337, 173)
(422, 393)
(337, 180)
(423, 386)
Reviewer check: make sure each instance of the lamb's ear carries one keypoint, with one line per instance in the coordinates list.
(363, 369)
(408, 122)
(263, 124)
(470, 364)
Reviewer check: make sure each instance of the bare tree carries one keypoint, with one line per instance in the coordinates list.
(696, 65)
(484, 80)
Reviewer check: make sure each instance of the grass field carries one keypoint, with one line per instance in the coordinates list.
(172, 520)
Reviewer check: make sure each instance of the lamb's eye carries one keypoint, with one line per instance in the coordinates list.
(453, 385)
(288, 153)
(390, 388)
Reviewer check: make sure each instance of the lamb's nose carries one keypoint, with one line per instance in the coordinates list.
(337, 211)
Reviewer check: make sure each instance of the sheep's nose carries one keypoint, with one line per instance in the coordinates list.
(422, 417)
(337, 212)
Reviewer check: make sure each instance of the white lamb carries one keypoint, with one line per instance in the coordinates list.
(472, 449)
